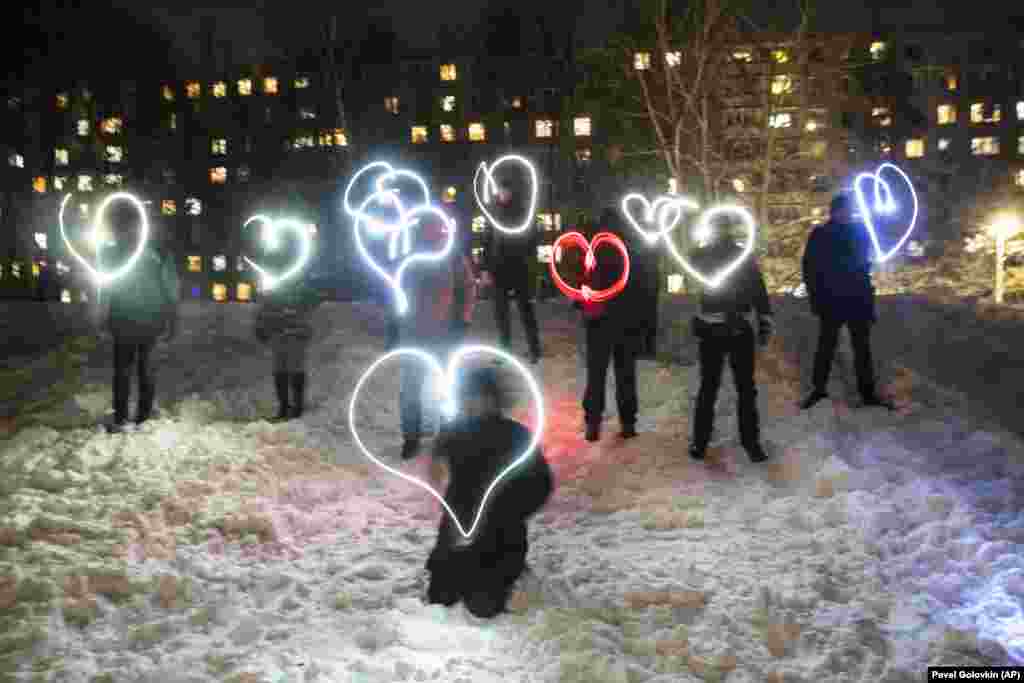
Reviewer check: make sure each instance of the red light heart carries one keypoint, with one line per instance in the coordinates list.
(585, 293)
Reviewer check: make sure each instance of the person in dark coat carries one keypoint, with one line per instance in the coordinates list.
(479, 445)
(508, 267)
(730, 320)
(142, 306)
(616, 331)
(645, 258)
(837, 273)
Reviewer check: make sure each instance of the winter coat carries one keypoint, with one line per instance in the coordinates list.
(628, 313)
(143, 301)
(742, 293)
(837, 272)
(431, 288)
(286, 313)
(504, 252)
(477, 450)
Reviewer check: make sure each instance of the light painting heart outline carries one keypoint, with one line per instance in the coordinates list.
(886, 204)
(450, 407)
(491, 185)
(704, 227)
(99, 276)
(272, 229)
(662, 204)
(584, 293)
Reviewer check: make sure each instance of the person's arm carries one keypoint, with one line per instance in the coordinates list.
(809, 267)
(762, 304)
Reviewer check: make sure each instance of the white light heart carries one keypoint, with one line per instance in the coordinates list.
(657, 213)
(491, 186)
(704, 229)
(451, 408)
(272, 229)
(99, 276)
(885, 203)
(406, 221)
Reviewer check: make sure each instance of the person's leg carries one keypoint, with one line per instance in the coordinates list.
(147, 381)
(624, 354)
(598, 356)
(410, 405)
(280, 364)
(487, 595)
(445, 583)
(500, 289)
(298, 350)
(124, 356)
(742, 359)
(860, 339)
(524, 291)
(712, 359)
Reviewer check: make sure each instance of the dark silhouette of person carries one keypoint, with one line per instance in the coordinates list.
(837, 274)
(731, 319)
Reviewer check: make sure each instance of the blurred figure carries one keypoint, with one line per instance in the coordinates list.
(837, 272)
(427, 325)
(479, 445)
(141, 306)
(508, 267)
(729, 320)
(284, 322)
(616, 332)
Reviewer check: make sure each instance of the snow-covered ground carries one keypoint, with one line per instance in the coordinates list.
(210, 545)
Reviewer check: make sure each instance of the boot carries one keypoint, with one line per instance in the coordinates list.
(628, 430)
(813, 398)
(697, 453)
(593, 431)
(756, 453)
(298, 394)
(878, 402)
(410, 447)
(281, 386)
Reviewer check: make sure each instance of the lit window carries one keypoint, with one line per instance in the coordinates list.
(65, 296)
(218, 175)
(307, 113)
(915, 148)
(581, 126)
(419, 134)
(877, 50)
(168, 93)
(780, 56)
(1020, 111)
(114, 154)
(448, 103)
(39, 184)
(245, 86)
(517, 102)
(195, 264)
(220, 263)
(984, 146)
(447, 133)
(739, 185)
(943, 144)
(673, 58)
(951, 82)
(82, 127)
(448, 72)
(112, 125)
(16, 270)
(169, 207)
(479, 223)
(675, 283)
(811, 125)
(16, 160)
(782, 85)
(85, 183)
(478, 254)
(946, 114)
(193, 90)
(544, 252)
(550, 221)
(391, 104)
(303, 142)
(62, 100)
(477, 132)
(449, 194)
(982, 113)
(219, 291)
(41, 240)
(673, 186)
(113, 179)
(583, 155)
(59, 181)
(219, 89)
(301, 83)
(743, 56)
(881, 116)
(818, 149)
(270, 85)
(545, 128)
(219, 146)
(173, 121)
(244, 291)
(243, 173)
(338, 137)
(1018, 178)
(642, 61)
(35, 269)
(193, 207)
(781, 120)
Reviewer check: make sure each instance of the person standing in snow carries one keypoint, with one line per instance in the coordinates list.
(731, 320)
(141, 306)
(508, 268)
(616, 332)
(284, 322)
(837, 273)
(427, 324)
(481, 570)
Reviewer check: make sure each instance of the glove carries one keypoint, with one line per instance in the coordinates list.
(765, 329)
